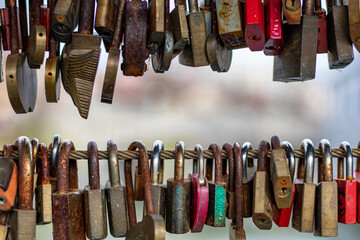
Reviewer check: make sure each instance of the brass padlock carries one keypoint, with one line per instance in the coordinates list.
(248, 176)
(43, 189)
(354, 23)
(292, 11)
(326, 203)
(179, 27)
(262, 201)
(106, 12)
(230, 187)
(64, 19)
(24, 213)
(304, 202)
(156, 31)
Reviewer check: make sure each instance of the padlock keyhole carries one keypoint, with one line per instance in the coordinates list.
(2, 200)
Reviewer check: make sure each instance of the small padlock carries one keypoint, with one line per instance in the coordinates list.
(43, 188)
(217, 192)
(254, 25)
(105, 18)
(237, 232)
(354, 23)
(200, 192)
(230, 187)
(23, 218)
(8, 183)
(326, 205)
(116, 195)
(248, 176)
(68, 212)
(322, 46)
(94, 198)
(262, 200)
(156, 31)
(292, 11)
(178, 196)
(347, 188)
(274, 42)
(304, 202)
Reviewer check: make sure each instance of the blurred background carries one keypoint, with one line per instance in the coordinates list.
(196, 105)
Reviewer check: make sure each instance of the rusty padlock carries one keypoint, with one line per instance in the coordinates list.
(326, 204)
(179, 27)
(292, 11)
(248, 176)
(274, 42)
(262, 200)
(156, 31)
(8, 180)
(230, 187)
(178, 196)
(64, 19)
(106, 13)
(237, 232)
(43, 188)
(254, 25)
(200, 192)
(5, 28)
(304, 202)
(24, 213)
(354, 23)
(347, 188)
(68, 212)
(139, 182)
(116, 195)
(322, 46)
(94, 198)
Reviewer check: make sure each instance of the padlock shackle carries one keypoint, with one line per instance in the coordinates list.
(264, 147)
(35, 12)
(308, 147)
(179, 161)
(62, 168)
(214, 26)
(290, 157)
(130, 197)
(230, 159)
(54, 154)
(245, 160)
(7, 149)
(23, 23)
(3, 218)
(35, 148)
(86, 17)
(357, 166)
(113, 164)
(157, 163)
(239, 186)
(218, 162)
(325, 162)
(167, 15)
(193, 6)
(53, 43)
(43, 166)
(275, 142)
(198, 164)
(93, 166)
(308, 7)
(346, 147)
(14, 30)
(117, 36)
(318, 7)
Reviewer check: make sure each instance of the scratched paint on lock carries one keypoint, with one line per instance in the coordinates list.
(220, 196)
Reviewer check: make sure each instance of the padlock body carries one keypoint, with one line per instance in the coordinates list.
(3, 232)
(347, 197)
(358, 201)
(159, 199)
(23, 224)
(68, 216)
(322, 46)
(36, 46)
(105, 18)
(199, 204)
(179, 27)
(304, 207)
(178, 206)
(139, 186)
(156, 25)
(43, 204)
(262, 203)
(52, 74)
(281, 217)
(340, 52)
(230, 210)
(8, 183)
(274, 42)
(95, 213)
(217, 205)
(247, 198)
(117, 210)
(254, 25)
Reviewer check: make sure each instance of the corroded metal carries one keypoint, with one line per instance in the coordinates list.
(230, 189)
(322, 25)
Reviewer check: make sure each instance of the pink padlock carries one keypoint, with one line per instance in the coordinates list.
(200, 193)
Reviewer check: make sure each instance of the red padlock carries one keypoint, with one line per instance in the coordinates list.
(347, 188)
(281, 217)
(274, 42)
(5, 28)
(254, 25)
(322, 30)
(357, 177)
(45, 21)
(200, 193)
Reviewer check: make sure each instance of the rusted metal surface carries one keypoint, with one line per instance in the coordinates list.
(5, 28)
(179, 161)
(218, 162)
(44, 175)
(230, 182)
(14, 30)
(93, 166)
(86, 16)
(264, 147)
(130, 194)
(326, 160)
(62, 169)
(322, 25)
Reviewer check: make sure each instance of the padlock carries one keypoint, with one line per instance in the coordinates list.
(254, 25)
(218, 56)
(230, 187)
(80, 60)
(134, 50)
(157, 175)
(68, 213)
(354, 23)
(64, 19)
(340, 51)
(5, 28)
(8, 182)
(280, 175)
(200, 192)
(178, 196)
(217, 192)
(274, 42)
(304, 202)
(43, 189)
(326, 204)
(179, 27)
(322, 46)
(262, 200)
(281, 217)
(156, 31)
(347, 188)
(23, 218)
(248, 176)
(194, 54)
(292, 11)
(106, 13)
(94, 198)
(116, 195)
(113, 58)
(237, 232)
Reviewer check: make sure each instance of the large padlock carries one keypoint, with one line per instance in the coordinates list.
(354, 23)
(262, 200)
(179, 27)
(347, 188)
(326, 205)
(116, 195)
(292, 11)
(304, 202)
(23, 218)
(237, 232)
(230, 185)
(217, 192)
(200, 192)
(340, 50)
(322, 46)
(43, 188)
(8, 182)
(248, 176)
(254, 25)
(68, 211)
(178, 196)
(156, 31)
(106, 12)
(274, 42)
(94, 198)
